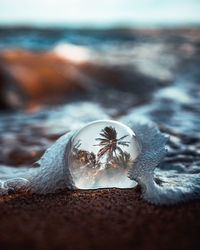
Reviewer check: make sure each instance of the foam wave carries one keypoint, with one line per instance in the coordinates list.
(52, 172)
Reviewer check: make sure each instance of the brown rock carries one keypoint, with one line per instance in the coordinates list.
(31, 78)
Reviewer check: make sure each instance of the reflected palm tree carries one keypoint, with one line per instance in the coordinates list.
(110, 143)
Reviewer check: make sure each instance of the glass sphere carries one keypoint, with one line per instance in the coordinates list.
(101, 155)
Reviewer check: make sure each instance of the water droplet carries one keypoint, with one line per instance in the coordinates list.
(101, 153)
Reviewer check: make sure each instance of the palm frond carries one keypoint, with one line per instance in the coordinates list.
(101, 139)
(121, 138)
(109, 133)
(102, 151)
(124, 143)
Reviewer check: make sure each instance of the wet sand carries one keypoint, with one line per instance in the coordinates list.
(98, 219)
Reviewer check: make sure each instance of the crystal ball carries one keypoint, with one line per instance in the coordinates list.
(101, 154)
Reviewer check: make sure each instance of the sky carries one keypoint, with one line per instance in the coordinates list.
(99, 12)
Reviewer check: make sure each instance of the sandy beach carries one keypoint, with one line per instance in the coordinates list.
(98, 219)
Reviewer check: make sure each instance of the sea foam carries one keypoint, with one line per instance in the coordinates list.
(51, 172)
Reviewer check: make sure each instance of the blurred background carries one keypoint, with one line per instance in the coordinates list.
(64, 63)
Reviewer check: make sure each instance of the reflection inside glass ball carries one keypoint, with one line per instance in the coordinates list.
(101, 155)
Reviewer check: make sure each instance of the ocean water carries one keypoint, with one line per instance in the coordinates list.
(43, 39)
(161, 84)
